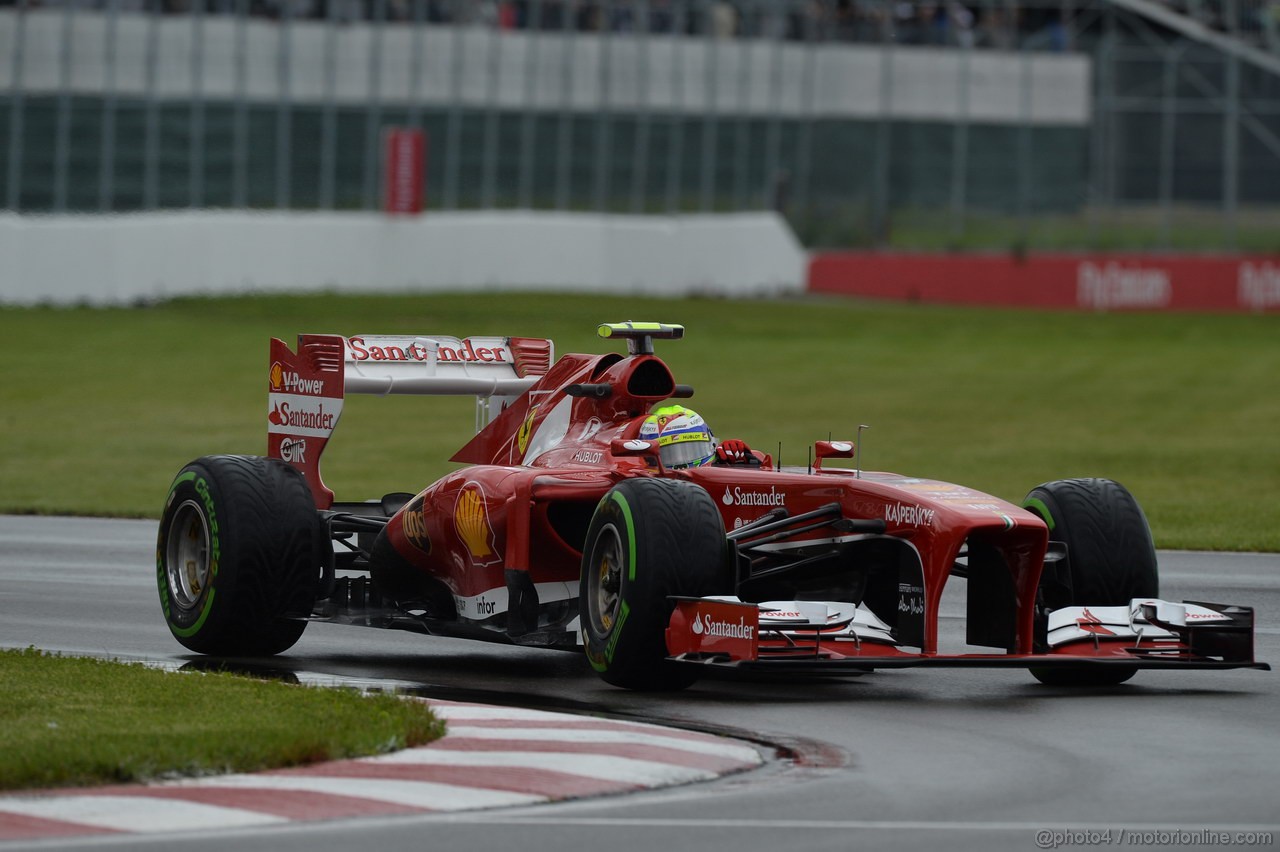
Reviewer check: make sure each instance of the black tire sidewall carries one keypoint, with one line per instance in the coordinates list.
(674, 530)
(193, 484)
(1111, 559)
(264, 538)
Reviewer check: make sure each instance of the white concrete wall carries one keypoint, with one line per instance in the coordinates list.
(218, 57)
(121, 259)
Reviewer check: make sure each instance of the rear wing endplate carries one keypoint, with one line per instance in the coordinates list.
(306, 388)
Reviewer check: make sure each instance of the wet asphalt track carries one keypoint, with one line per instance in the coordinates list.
(978, 759)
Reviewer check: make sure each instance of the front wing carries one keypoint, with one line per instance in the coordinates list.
(837, 638)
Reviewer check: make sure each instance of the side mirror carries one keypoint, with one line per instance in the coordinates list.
(832, 450)
(623, 447)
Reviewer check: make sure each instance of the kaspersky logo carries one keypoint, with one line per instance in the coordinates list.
(908, 515)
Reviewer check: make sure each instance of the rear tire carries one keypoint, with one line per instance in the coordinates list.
(238, 556)
(649, 539)
(1110, 559)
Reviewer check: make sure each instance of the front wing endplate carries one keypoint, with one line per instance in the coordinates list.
(806, 637)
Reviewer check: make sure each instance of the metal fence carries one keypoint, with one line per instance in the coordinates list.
(927, 125)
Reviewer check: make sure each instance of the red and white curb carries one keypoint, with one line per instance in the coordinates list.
(491, 757)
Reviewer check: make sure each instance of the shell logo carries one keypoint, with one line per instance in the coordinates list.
(276, 376)
(471, 521)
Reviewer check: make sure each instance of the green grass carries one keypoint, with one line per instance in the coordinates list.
(1176, 229)
(1135, 228)
(99, 408)
(76, 722)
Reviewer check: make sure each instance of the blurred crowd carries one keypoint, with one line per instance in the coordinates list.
(997, 24)
(993, 23)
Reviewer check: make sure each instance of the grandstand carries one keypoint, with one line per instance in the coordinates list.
(994, 125)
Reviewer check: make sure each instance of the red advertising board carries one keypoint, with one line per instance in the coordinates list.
(1087, 282)
(404, 167)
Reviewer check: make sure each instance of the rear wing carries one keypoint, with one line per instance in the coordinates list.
(306, 388)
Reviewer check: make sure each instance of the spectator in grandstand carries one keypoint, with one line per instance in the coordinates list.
(724, 19)
(662, 16)
(996, 28)
(960, 25)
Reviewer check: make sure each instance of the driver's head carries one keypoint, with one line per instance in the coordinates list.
(683, 437)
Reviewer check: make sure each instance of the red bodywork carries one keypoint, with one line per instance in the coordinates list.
(516, 489)
(537, 470)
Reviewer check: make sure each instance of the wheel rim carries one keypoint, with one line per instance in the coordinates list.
(187, 555)
(604, 582)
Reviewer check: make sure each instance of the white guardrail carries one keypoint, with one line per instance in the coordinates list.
(122, 259)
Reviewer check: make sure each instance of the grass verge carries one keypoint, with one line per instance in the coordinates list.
(1121, 229)
(76, 722)
(100, 408)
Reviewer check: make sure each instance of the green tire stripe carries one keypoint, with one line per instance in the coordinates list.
(612, 647)
(208, 601)
(1041, 509)
(186, 477)
(204, 613)
(631, 534)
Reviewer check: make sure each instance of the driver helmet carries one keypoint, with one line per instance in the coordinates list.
(684, 440)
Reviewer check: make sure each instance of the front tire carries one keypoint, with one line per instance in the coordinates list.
(238, 558)
(648, 540)
(1111, 559)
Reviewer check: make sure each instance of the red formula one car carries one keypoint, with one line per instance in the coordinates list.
(582, 520)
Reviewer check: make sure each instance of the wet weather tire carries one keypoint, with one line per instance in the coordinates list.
(238, 556)
(648, 540)
(1110, 558)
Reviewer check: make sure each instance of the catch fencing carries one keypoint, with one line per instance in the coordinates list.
(992, 125)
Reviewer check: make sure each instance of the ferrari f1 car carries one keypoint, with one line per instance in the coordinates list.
(571, 527)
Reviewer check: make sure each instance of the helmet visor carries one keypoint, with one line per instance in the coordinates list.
(687, 453)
